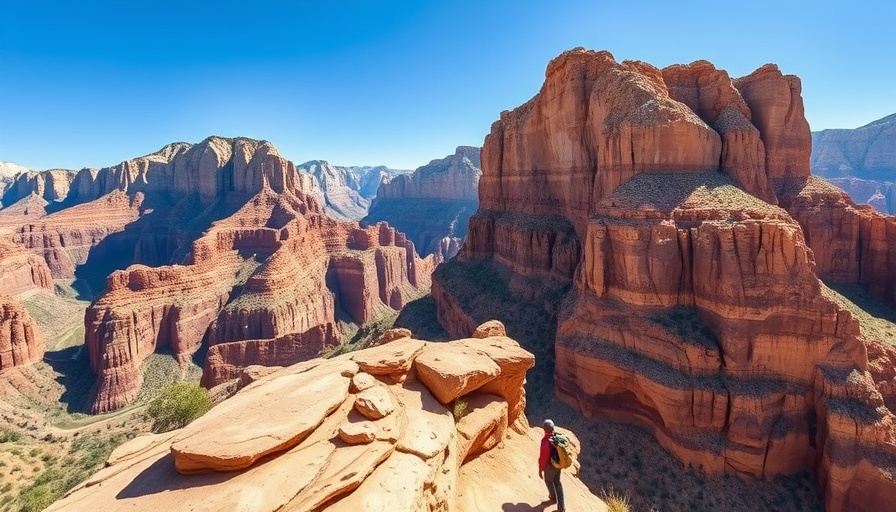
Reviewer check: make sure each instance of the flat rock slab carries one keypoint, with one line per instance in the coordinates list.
(152, 485)
(362, 381)
(389, 359)
(428, 427)
(504, 351)
(454, 369)
(345, 471)
(374, 402)
(397, 484)
(283, 411)
(361, 432)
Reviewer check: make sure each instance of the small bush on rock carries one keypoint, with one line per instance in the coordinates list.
(177, 406)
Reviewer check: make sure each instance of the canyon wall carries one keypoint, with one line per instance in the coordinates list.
(21, 341)
(345, 193)
(263, 286)
(433, 204)
(867, 152)
(678, 208)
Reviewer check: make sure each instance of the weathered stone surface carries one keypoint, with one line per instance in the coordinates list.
(490, 328)
(686, 301)
(411, 460)
(483, 426)
(310, 396)
(430, 427)
(454, 369)
(361, 432)
(392, 335)
(362, 381)
(21, 341)
(374, 402)
(392, 358)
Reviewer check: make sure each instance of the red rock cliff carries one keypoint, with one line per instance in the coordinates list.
(696, 308)
(21, 341)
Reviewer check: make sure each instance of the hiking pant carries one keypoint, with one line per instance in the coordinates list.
(555, 487)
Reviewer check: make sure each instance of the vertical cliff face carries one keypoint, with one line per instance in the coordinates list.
(21, 341)
(433, 204)
(678, 207)
(263, 286)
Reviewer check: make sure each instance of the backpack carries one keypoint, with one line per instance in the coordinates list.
(563, 449)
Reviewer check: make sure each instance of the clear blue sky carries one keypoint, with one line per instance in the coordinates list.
(89, 83)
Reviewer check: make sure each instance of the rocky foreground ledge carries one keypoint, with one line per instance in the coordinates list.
(377, 429)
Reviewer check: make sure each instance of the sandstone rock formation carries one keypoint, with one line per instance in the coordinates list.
(218, 241)
(21, 275)
(296, 440)
(345, 192)
(262, 286)
(433, 205)
(22, 272)
(867, 152)
(677, 208)
(21, 341)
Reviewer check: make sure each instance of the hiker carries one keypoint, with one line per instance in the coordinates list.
(547, 470)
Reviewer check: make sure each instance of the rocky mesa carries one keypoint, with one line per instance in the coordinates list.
(369, 430)
(666, 219)
(432, 205)
(265, 285)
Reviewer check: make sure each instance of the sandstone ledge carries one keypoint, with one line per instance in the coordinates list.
(276, 445)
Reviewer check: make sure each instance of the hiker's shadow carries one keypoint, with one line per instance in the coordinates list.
(524, 507)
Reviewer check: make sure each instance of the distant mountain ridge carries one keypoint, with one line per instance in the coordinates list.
(345, 192)
(861, 161)
(433, 204)
(867, 152)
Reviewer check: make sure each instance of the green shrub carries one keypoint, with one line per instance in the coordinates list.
(459, 408)
(177, 406)
(9, 436)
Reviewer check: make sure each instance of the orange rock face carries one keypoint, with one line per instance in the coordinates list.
(262, 286)
(677, 205)
(306, 438)
(21, 341)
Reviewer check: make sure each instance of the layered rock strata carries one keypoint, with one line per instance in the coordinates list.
(21, 341)
(134, 212)
(678, 206)
(867, 152)
(358, 432)
(433, 204)
(263, 286)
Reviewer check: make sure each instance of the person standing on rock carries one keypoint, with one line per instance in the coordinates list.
(547, 470)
